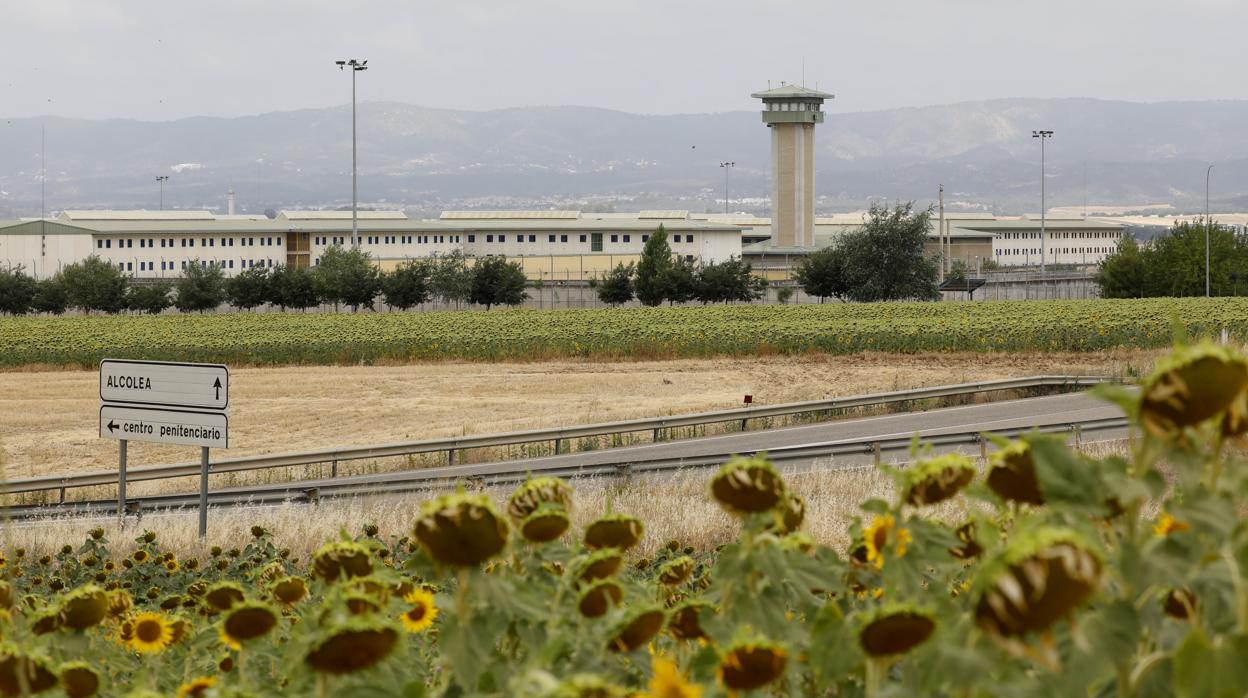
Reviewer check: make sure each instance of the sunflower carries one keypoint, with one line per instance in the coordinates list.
(1013, 474)
(290, 590)
(222, 596)
(546, 524)
(614, 531)
(599, 565)
(685, 623)
(937, 479)
(598, 598)
(196, 688)
(151, 633)
(895, 630)
(246, 622)
(343, 559)
(668, 682)
(84, 607)
(1167, 524)
(877, 536)
(676, 571)
(461, 529)
(14, 661)
(530, 497)
(749, 665)
(1040, 577)
(637, 629)
(79, 680)
(140, 556)
(354, 646)
(747, 485)
(1194, 384)
(423, 612)
(171, 565)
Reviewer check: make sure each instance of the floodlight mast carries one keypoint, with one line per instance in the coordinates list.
(356, 66)
(162, 179)
(1043, 136)
(727, 166)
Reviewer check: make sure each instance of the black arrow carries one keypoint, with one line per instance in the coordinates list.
(217, 384)
(112, 426)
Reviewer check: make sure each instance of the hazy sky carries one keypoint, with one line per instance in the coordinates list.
(165, 59)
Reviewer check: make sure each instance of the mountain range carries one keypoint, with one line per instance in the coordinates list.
(1103, 152)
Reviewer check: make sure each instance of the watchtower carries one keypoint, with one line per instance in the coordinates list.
(791, 113)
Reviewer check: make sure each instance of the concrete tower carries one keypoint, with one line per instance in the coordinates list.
(791, 113)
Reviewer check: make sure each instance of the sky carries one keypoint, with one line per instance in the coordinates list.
(170, 59)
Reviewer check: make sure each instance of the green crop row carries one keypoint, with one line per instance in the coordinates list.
(328, 338)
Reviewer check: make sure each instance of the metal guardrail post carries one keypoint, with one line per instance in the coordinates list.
(743, 423)
(983, 449)
(1078, 436)
(558, 442)
(655, 438)
(333, 469)
(875, 450)
(62, 494)
(450, 456)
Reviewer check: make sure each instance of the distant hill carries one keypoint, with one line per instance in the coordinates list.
(435, 158)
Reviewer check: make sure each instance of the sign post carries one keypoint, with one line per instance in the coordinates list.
(165, 402)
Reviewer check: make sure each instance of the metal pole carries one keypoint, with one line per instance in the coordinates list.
(121, 484)
(940, 237)
(1042, 235)
(355, 233)
(1208, 225)
(203, 493)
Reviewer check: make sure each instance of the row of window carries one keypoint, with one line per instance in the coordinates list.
(1062, 236)
(204, 263)
(328, 240)
(1060, 250)
(126, 243)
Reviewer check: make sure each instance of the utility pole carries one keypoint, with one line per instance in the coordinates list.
(944, 243)
(162, 179)
(356, 66)
(1043, 136)
(726, 167)
(1208, 226)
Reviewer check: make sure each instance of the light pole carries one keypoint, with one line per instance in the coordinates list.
(162, 179)
(1208, 225)
(356, 66)
(1043, 136)
(726, 167)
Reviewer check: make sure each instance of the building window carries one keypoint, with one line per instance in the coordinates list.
(184, 264)
(550, 238)
(129, 266)
(472, 238)
(520, 239)
(628, 238)
(489, 238)
(645, 238)
(582, 238)
(563, 238)
(595, 244)
(615, 238)
(99, 244)
(502, 238)
(676, 238)
(532, 238)
(108, 244)
(688, 238)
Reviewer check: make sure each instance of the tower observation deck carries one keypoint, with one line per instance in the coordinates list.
(791, 113)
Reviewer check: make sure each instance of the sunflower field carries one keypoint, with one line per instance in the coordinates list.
(671, 332)
(1061, 575)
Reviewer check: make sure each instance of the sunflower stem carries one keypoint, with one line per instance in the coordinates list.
(872, 678)
(461, 596)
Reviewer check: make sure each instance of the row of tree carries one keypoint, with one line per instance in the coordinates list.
(884, 260)
(343, 277)
(658, 276)
(1173, 264)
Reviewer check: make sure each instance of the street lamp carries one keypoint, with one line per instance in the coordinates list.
(356, 66)
(1043, 136)
(1208, 225)
(162, 179)
(726, 167)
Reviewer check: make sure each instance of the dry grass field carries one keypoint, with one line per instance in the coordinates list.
(48, 419)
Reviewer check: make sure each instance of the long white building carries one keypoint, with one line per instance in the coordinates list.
(556, 245)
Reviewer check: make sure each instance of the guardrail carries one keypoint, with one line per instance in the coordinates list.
(493, 474)
(555, 435)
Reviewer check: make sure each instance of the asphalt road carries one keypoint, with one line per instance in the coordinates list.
(1012, 414)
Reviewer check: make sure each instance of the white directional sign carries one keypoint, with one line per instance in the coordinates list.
(165, 426)
(165, 384)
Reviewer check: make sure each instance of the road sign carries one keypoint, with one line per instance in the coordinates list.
(165, 384)
(165, 426)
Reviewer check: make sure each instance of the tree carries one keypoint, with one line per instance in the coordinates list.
(249, 289)
(884, 259)
(495, 281)
(150, 298)
(406, 286)
(617, 287)
(681, 281)
(1122, 273)
(50, 296)
(293, 287)
(730, 280)
(653, 269)
(450, 279)
(348, 277)
(822, 274)
(17, 291)
(94, 284)
(202, 287)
